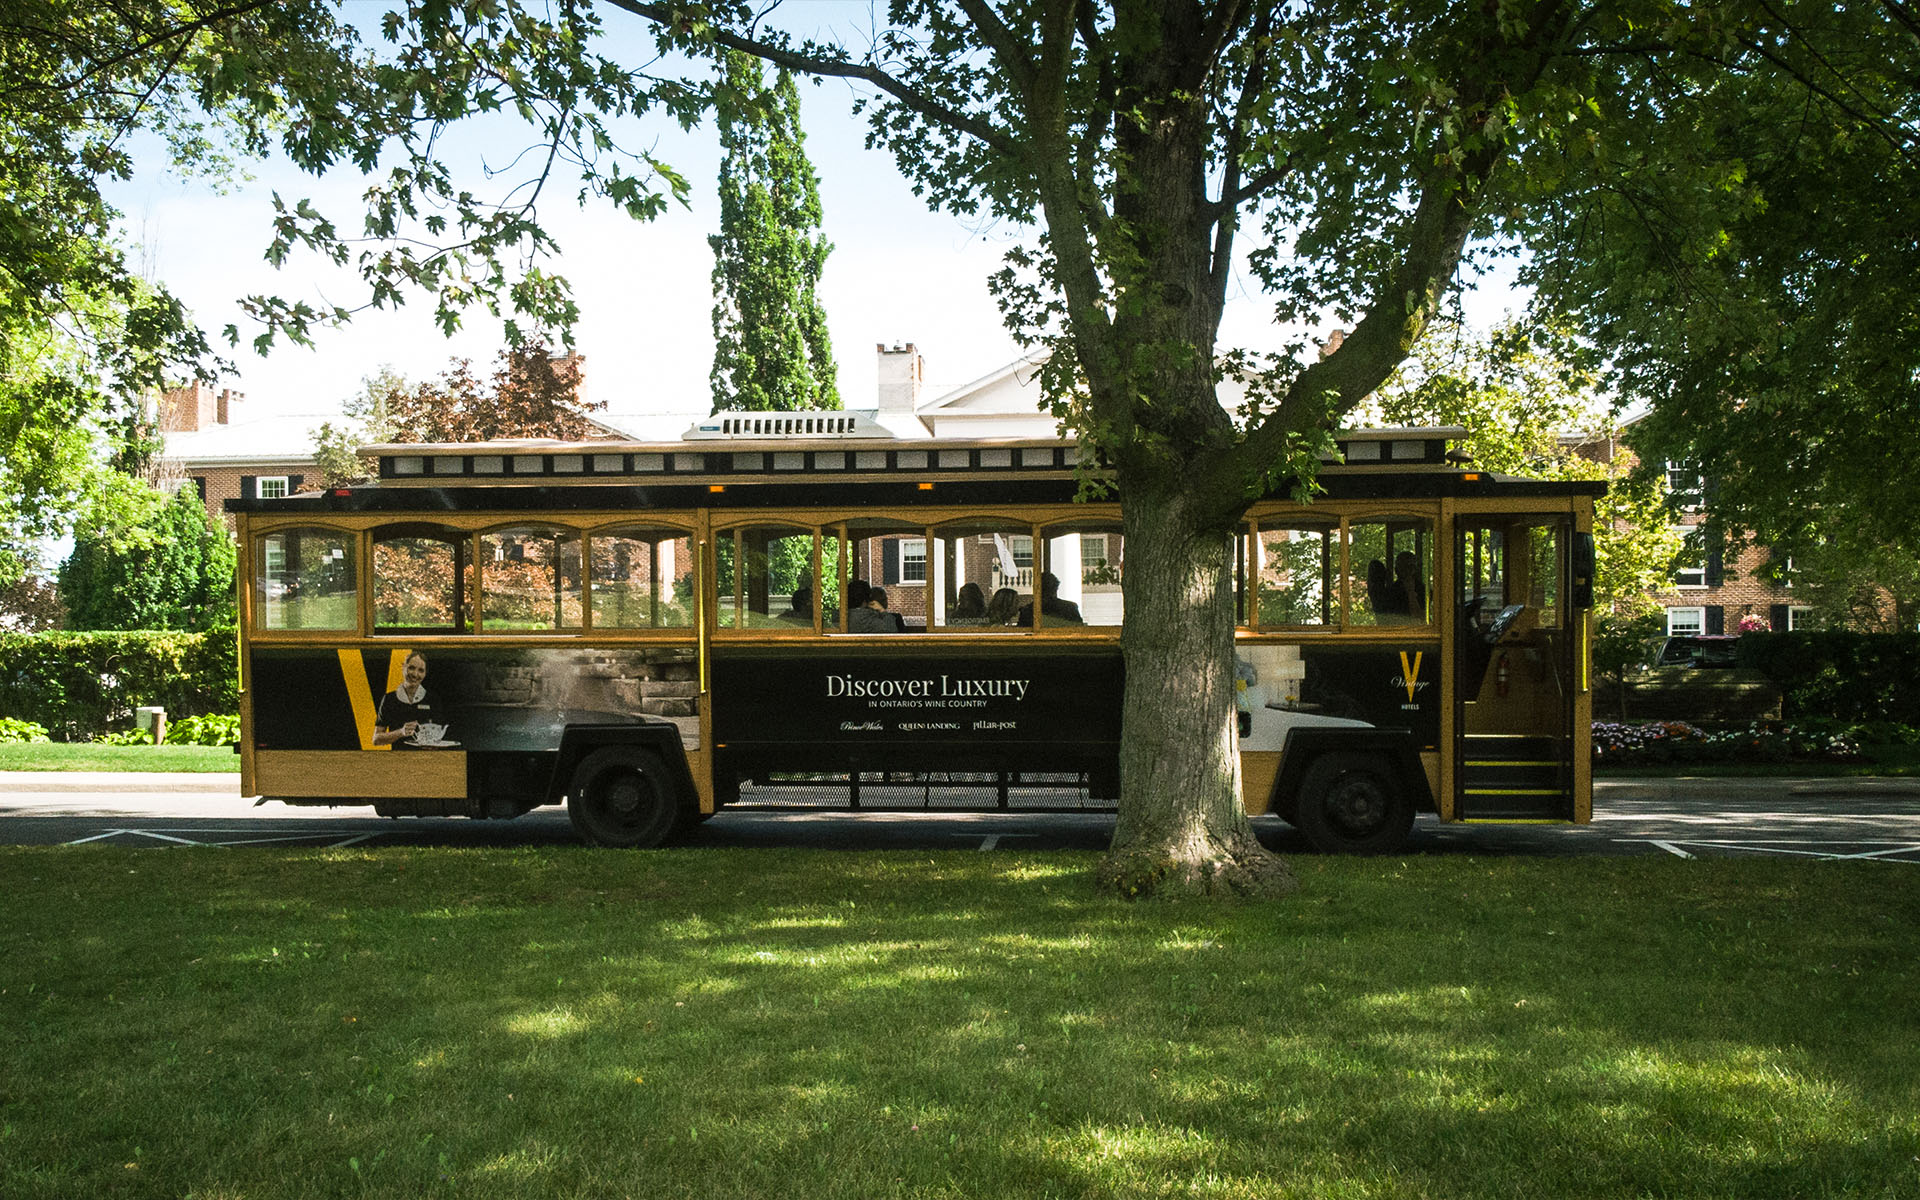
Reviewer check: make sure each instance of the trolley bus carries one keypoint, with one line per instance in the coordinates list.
(649, 632)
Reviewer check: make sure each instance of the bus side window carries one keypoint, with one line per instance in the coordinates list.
(982, 572)
(1294, 566)
(304, 579)
(642, 578)
(530, 580)
(765, 575)
(1389, 571)
(422, 579)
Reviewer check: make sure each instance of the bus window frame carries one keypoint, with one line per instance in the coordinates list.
(967, 524)
(466, 590)
(250, 584)
(1044, 534)
(884, 526)
(479, 623)
(1342, 518)
(710, 576)
(688, 528)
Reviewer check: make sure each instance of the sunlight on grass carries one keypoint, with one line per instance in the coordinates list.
(554, 1023)
(926, 1027)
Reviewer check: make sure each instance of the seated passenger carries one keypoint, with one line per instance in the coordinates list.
(1003, 608)
(1056, 610)
(969, 607)
(1380, 595)
(873, 617)
(1409, 593)
(801, 610)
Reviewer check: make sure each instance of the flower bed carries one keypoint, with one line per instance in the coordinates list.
(1616, 744)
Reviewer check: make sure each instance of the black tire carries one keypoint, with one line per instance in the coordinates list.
(1352, 804)
(624, 798)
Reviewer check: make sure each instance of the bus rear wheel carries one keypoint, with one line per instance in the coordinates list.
(1350, 804)
(624, 799)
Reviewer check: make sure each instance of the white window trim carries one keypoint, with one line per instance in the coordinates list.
(260, 487)
(1699, 620)
(921, 559)
(1797, 616)
(1679, 583)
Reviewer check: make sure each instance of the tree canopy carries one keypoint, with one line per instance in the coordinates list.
(771, 350)
(1530, 397)
(531, 394)
(143, 559)
(1743, 248)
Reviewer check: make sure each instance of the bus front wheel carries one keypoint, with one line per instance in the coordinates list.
(624, 799)
(1350, 804)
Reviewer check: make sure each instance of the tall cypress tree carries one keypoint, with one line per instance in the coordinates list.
(771, 350)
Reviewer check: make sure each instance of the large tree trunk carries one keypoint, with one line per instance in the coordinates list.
(1181, 827)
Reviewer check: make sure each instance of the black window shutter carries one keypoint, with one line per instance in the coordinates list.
(293, 484)
(1777, 617)
(1716, 565)
(1716, 619)
(890, 566)
(200, 485)
(247, 490)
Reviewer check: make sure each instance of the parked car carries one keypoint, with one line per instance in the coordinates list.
(1695, 650)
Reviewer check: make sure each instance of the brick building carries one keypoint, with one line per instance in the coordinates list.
(226, 454)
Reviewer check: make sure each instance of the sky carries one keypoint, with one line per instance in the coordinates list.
(898, 273)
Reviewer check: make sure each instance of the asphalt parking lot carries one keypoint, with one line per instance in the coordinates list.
(1686, 818)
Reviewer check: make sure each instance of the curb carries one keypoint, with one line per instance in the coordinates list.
(197, 783)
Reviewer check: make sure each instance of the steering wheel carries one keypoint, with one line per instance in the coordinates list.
(1503, 621)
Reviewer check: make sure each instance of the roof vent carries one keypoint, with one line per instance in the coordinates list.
(747, 426)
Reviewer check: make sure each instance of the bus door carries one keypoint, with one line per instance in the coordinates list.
(1515, 657)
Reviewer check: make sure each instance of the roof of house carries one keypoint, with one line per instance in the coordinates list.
(276, 439)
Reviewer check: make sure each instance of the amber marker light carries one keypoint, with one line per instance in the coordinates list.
(1471, 475)
(925, 487)
(716, 487)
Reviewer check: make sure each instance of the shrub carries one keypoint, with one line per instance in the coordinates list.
(1616, 744)
(212, 729)
(125, 737)
(78, 684)
(12, 729)
(1840, 675)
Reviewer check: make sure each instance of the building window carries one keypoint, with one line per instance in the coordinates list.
(1799, 616)
(1682, 622)
(1689, 569)
(1683, 482)
(270, 487)
(913, 560)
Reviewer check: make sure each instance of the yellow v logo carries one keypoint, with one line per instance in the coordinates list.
(1410, 672)
(353, 670)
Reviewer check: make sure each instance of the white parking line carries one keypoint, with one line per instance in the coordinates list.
(1786, 846)
(163, 836)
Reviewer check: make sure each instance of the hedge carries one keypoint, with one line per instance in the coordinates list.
(1845, 676)
(79, 685)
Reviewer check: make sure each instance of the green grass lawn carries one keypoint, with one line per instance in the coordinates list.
(86, 756)
(563, 1023)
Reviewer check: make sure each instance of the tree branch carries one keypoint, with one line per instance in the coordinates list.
(1227, 214)
(1006, 47)
(191, 27)
(668, 17)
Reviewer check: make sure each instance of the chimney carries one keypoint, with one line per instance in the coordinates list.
(901, 373)
(223, 408)
(186, 409)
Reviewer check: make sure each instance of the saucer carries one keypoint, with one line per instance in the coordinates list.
(430, 745)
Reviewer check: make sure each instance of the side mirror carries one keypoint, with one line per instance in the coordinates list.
(1581, 590)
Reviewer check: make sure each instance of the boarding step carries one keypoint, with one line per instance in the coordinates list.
(1513, 777)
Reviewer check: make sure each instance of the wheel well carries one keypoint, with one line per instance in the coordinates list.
(578, 741)
(1394, 748)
